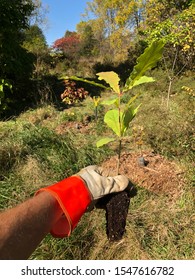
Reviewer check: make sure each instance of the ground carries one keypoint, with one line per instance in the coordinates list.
(159, 175)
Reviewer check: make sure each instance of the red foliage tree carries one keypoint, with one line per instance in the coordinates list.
(69, 44)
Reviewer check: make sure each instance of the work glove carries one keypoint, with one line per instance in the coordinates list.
(79, 192)
(98, 184)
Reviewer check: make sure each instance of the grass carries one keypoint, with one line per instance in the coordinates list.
(33, 155)
(32, 149)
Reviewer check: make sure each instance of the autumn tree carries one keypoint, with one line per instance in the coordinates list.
(174, 22)
(117, 22)
(171, 20)
(69, 45)
(158, 11)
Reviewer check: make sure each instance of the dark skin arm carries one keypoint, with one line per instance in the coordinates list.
(22, 228)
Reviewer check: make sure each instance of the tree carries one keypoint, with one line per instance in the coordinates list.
(158, 11)
(88, 43)
(35, 43)
(16, 64)
(174, 22)
(116, 21)
(69, 44)
(13, 19)
(38, 16)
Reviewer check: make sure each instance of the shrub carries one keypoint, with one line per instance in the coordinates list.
(72, 94)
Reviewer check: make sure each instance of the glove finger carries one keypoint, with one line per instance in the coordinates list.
(87, 169)
(104, 172)
(99, 170)
(119, 183)
(95, 168)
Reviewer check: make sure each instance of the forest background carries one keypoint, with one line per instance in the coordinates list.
(116, 35)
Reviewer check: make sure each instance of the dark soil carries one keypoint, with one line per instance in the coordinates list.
(116, 206)
(116, 210)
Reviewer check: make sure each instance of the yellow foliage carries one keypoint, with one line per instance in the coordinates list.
(96, 100)
(189, 91)
(186, 47)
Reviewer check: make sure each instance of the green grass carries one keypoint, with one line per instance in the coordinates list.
(32, 149)
(34, 155)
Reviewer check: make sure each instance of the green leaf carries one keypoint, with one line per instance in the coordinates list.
(142, 80)
(104, 141)
(110, 102)
(74, 78)
(132, 99)
(145, 62)
(111, 78)
(111, 118)
(127, 117)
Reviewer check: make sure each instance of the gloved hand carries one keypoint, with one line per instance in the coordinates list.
(100, 185)
(76, 193)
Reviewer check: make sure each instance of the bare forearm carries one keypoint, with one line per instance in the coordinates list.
(22, 228)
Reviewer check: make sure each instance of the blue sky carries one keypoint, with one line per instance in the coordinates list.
(62, 15)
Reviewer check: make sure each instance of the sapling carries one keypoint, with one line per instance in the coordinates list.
(119, 119)
(96, 101)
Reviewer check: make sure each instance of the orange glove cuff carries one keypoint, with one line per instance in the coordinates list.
(73, 197)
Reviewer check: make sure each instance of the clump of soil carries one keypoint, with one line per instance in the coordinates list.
(116, 206)
(116, 214)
